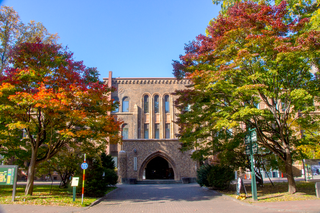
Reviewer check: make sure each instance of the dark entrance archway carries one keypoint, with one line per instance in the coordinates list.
(159, 168)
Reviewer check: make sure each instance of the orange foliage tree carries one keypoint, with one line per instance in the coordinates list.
(55, 101)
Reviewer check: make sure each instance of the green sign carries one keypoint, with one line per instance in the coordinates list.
(7, 175)
(252, 148)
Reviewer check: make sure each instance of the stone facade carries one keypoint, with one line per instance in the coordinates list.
(148, 112)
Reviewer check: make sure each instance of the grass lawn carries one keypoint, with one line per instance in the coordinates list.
(44, 195)
(278, 192)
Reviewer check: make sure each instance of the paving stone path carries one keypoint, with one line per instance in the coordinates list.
(167, 198)
(170, 198)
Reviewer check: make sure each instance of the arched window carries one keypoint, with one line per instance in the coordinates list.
(166, 104)
(146, 104)
(125, 131)
(156, 104)
(125, 104)
(116, 100)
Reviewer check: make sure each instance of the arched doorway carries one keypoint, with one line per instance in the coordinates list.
(159, 168)
(161, 161)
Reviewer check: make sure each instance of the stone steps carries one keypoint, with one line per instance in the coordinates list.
(159, 182)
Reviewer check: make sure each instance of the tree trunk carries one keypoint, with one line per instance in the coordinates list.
(31, 171)
(291, 182)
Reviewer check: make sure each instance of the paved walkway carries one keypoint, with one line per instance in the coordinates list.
(182, 198)
(175, 198)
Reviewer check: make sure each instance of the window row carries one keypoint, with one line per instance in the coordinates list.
(125, 104)
(125, 131)
(156, 131)
(156, 104)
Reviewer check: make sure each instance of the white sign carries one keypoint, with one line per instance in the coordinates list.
(254, 136)
(75, 181)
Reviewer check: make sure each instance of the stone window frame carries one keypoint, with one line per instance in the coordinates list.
(123, 126)
(155, 130)
(167, 136)
(144, 104)
(164, 102)
(154, 103)
(116, 99)
(144, 132)
(122, 105)
(165, 114)
(144, 114)
(153, 114)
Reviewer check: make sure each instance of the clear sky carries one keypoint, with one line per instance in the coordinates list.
(132, 38)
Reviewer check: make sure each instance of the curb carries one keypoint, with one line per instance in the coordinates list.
(102, 198)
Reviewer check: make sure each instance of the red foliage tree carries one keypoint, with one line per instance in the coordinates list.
(55, 101)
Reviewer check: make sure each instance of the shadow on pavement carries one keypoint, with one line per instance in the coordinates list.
(160, 192)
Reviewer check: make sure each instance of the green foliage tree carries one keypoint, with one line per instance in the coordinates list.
(13, 31)
(100, 175)
(252, 56)
(217, 176)
(220, 177)
(66, 162)
(202, 175)
(55, 101)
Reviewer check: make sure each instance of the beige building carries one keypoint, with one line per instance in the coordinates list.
(150, 149)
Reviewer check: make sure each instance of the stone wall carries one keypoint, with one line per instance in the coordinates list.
(146, 150)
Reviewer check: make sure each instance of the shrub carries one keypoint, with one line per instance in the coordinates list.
(99, 176)
(220, 176)
(202, 175)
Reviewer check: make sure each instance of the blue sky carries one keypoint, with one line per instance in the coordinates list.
(137, 38)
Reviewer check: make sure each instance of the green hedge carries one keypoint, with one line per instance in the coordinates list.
(216, 176)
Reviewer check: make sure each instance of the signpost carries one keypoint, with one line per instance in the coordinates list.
(8, 176)
(74, 184)
(84, 166)
(252, 149)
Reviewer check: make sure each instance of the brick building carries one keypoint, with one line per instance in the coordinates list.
(150, 149)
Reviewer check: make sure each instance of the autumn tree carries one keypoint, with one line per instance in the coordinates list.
(252, 70)
(55, 101)
(66, 162)
(296, 8)
(13, 31)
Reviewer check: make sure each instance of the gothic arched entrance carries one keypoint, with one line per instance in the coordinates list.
(158, 166)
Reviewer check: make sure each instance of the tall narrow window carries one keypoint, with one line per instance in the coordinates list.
(166, 103)
(125, 104)
(146, 131)
(116, 100)
(167, 130)
(156, 104)
(146, 104)
(125, 131)
(157, 131)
